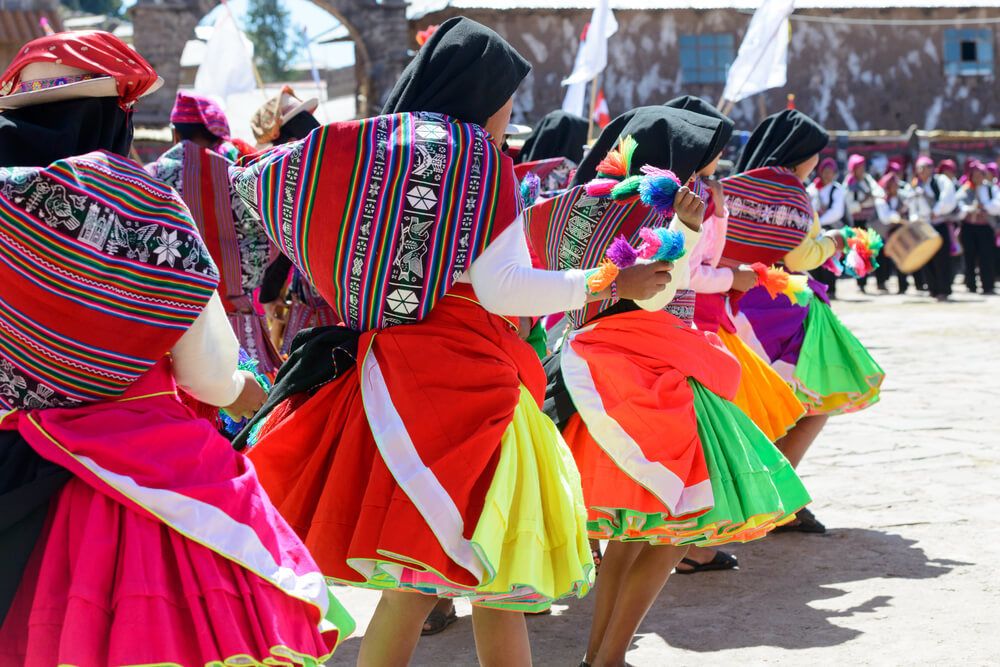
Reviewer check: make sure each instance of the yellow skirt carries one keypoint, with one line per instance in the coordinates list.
(762, 394)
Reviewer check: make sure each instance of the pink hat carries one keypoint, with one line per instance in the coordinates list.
(925, 161)
(200, 110)
(855, 161)
(890, 177)
(947, 165)
(828, 163)
(896, 166)
(993, 169)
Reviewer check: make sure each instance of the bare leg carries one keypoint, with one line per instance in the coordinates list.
(795, 444)
(394, 631)
(501, 638)
(617, 560)
(640, 588)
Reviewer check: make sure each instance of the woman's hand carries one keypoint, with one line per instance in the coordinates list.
(744, 279)
(838, 239)
(250, 399)
(643, 281)
(718, 196)
(690, 209)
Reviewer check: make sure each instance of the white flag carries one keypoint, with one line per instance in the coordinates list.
(227, 67)
(592, 57)
(762, 61)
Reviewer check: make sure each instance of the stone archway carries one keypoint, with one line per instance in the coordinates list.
(379, 30)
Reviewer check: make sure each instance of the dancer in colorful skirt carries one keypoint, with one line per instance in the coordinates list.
(771, 221)
(196, 169)
(644, 405)
(418, 462)
(553, 150)
(132, 532)
(761, 393)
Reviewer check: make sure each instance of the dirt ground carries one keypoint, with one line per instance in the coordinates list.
(906, 574)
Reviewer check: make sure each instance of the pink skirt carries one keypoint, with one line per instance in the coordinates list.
(171, 555)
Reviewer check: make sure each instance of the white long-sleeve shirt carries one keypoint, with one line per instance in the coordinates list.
(925, 207)
(984, 199)
(829, 201)
(205, 359)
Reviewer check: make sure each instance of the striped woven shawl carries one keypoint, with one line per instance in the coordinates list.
(769, 215)
(382, 215)
(102, 270)
(231, 232)
(575, 230)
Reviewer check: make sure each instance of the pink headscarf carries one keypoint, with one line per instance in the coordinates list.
(853, 163)
(826, 163)
(947, 165)
(202, 110)
(889, 177)
(925, 161)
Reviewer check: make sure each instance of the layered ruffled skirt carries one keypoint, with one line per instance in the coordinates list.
(429, 467)
(663, 456)
(161, 549)
(829, 369)
(762, 394)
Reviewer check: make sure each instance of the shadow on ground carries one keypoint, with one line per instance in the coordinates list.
(770, 602)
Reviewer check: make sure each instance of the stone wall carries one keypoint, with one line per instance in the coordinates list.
(850, 77)
(379, 30)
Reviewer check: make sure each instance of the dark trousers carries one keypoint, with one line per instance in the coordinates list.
(979, 245)
(826, 277)
(938, 270)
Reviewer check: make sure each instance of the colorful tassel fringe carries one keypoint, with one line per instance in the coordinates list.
(229, 426)
(861, 258)
(601, 278)
(777, 281)
(531, 187)
(655, 187)
(660, 244)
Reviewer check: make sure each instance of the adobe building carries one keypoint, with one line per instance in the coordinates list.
(853, 64)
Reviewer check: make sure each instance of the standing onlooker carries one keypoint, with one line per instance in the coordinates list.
(862, 191)
(829, 201)
(978, 201)
(933, 202)
(893, 211)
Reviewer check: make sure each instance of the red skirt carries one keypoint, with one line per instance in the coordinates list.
(385, 471)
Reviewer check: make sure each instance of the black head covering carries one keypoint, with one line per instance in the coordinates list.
(782, 140)
(667, 138)
(465, 70)
(559, 134)
(700, 106)
(37, 136)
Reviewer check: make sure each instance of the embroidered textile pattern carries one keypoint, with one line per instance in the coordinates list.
(769, 214)
(421, 195)
(89, 246)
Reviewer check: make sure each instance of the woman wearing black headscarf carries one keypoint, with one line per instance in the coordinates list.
(640, 395)
(772, 222)
(420, 461)
(558, 134)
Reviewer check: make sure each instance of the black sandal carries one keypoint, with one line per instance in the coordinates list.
(805, 522)
(438, 622)
(720, 561)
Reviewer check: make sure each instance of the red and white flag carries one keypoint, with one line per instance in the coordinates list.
(601, 114)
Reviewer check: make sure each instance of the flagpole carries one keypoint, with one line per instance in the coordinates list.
(593, 108)
(253, 63)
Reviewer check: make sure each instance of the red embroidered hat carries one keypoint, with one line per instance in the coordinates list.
(73, 65)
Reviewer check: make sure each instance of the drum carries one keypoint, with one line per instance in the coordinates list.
(912, 245)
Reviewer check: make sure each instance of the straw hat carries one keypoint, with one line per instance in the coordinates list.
(268, 120)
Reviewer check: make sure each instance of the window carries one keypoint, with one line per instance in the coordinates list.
(706, 58)
(968, 52)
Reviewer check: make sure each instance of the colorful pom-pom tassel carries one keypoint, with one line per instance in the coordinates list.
(531, 187)
(621, 253)
(617, 163)
(779, 282)
(658, 190)
(671, 245)
(627, 189)
(600, 187)
(601, 278)
(797, 290)
(650, 243)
